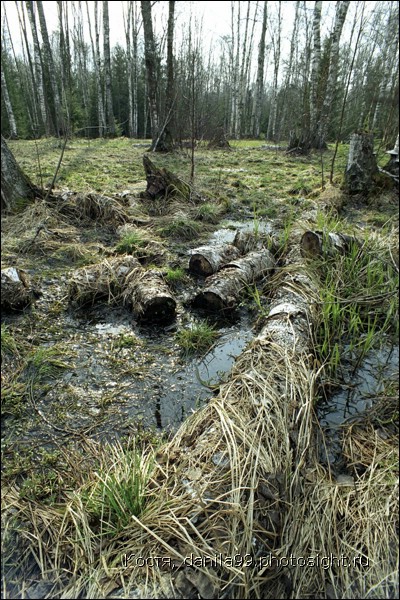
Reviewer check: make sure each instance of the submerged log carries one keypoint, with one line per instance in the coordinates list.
(16, 291)
(361, 164)
(207, 260)
(124, 280)
(149, 296)
(223, 289)
(163, 183)
(316, 243)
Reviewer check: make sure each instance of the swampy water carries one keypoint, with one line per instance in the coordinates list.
(122, 376)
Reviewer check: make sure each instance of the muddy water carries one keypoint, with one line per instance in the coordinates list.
(361, 388)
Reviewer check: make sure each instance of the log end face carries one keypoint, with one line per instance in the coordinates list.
(161, 309)
(212, 302)
(310, 245)
(200, 265)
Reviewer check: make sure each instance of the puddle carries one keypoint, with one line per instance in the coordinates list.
(359, 392)
(227, 233)
(188, 387)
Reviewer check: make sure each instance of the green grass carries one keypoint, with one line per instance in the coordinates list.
(131, 243)
(181, 228)
(359, 303)
(118, 489)
(209, 212)
(175, 275)
(8, 343)
(197, 339)
(45, 363)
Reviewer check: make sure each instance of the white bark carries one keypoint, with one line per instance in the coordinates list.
(316, 59)
(256, 126)
(8, 105)
(107, 70)
(38, 67)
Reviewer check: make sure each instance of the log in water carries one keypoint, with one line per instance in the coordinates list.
(223, 289)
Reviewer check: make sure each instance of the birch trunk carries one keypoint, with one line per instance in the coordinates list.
(51, 70)
(326, 112)
(151, 69)
(260, 76)
(314, 244)
(223, 290)
(271, 132)
(129, 66)
(100, 97)
(8, 105)
(207, 260)
(38, 69)
(316, 60)
(107, 71)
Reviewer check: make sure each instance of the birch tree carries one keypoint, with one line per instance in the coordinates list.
(151, 70)
(341, 11)
(39, 82)
(258, 97)
(276, 41)
(8, 105)
(107, 71)
(51, 70)
(316, 60)
(101, 119)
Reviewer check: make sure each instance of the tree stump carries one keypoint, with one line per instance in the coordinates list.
(361, 164)
(163, 183)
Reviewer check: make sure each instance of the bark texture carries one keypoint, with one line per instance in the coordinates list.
(14, 183)
(123, 280)
(316, 243)
(16, 291)
(207, 260)
(361, 164)
(223, 290)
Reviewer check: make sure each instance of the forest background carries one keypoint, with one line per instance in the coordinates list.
(195, 70)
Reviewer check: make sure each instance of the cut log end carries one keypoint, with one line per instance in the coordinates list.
(213, 302)
(161, 309)
(200, 265)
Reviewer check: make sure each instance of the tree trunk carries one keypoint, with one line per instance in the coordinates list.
(223, 290)
(207, 260)
(51, 71)
(8, 105)
(15, 185)
(39, 82)
(107, 71)
(149, 296)
(271, 131)
(260, 76)
(361, 164)
(316, 60)
(151, 69)
(326, 112)
(165, 139)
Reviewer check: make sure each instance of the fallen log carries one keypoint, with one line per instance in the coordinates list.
(316, 243)
(223, 289)
(207, 260)
(124, 280)
(101, 281)
(16, 291)
(149, 296)
(226, 477)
